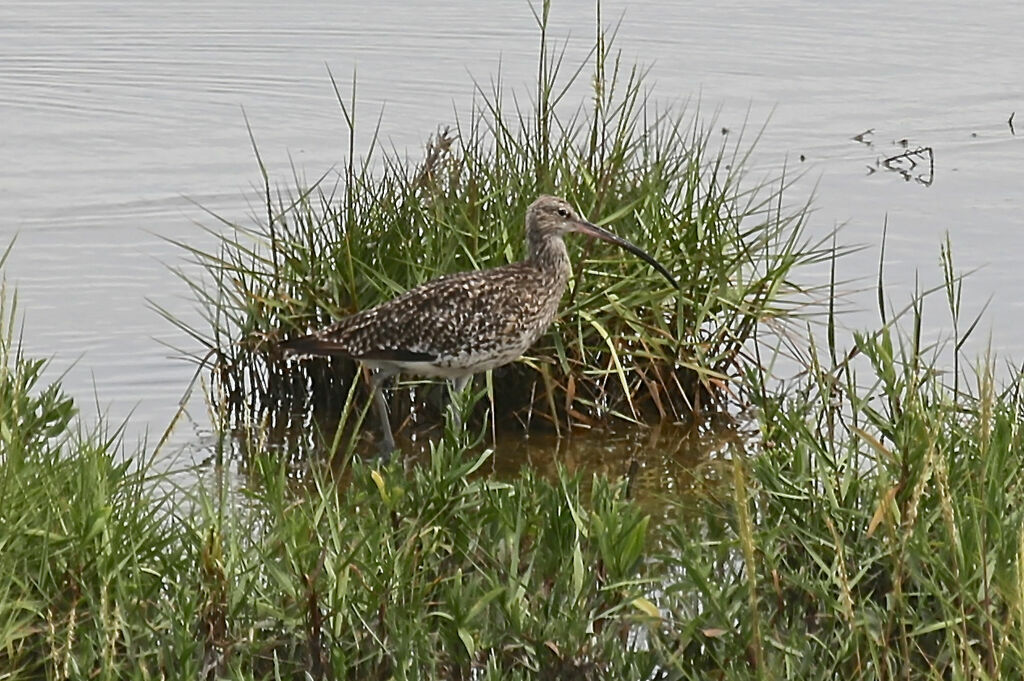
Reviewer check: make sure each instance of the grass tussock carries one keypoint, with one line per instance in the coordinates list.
(625, 345)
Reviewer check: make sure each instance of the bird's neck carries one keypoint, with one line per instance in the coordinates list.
(550, 256)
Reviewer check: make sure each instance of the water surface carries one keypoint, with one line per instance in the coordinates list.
(118, 118)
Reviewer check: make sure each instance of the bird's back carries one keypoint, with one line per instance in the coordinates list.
(460, 323)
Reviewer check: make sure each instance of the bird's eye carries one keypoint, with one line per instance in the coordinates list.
(564, 212)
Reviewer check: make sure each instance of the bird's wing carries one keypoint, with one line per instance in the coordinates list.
(457, 314)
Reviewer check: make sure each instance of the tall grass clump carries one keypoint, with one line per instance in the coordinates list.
(876, 531)
(432, 573)
(625, 345)
(83, 544)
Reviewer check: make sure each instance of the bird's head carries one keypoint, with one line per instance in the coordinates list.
(550, 217)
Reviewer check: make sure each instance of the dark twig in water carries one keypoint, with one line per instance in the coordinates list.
(862, 137)
(1009, 121)
(896, 164)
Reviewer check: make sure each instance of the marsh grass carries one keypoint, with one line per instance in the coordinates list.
(625, 346)
(376, 574)
(84, 544)
(434, 573)
(873, 530)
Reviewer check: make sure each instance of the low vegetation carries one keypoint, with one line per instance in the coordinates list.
(873, 529)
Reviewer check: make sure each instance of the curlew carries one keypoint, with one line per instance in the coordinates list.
(461, 324)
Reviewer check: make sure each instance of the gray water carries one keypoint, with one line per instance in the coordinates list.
(117, 118)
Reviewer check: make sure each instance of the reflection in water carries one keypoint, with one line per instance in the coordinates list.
(665, 465)
(663, 462)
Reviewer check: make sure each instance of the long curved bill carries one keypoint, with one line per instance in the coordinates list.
(584, 227)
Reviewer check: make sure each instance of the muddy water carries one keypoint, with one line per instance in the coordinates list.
(117, 117)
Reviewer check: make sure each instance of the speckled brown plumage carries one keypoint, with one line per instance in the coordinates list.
(465, 323)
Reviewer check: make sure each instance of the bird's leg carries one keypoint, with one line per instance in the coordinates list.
(379, 378)
(455, 402)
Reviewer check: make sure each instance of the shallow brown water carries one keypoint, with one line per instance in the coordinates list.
(116, 117)
(669, 460)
